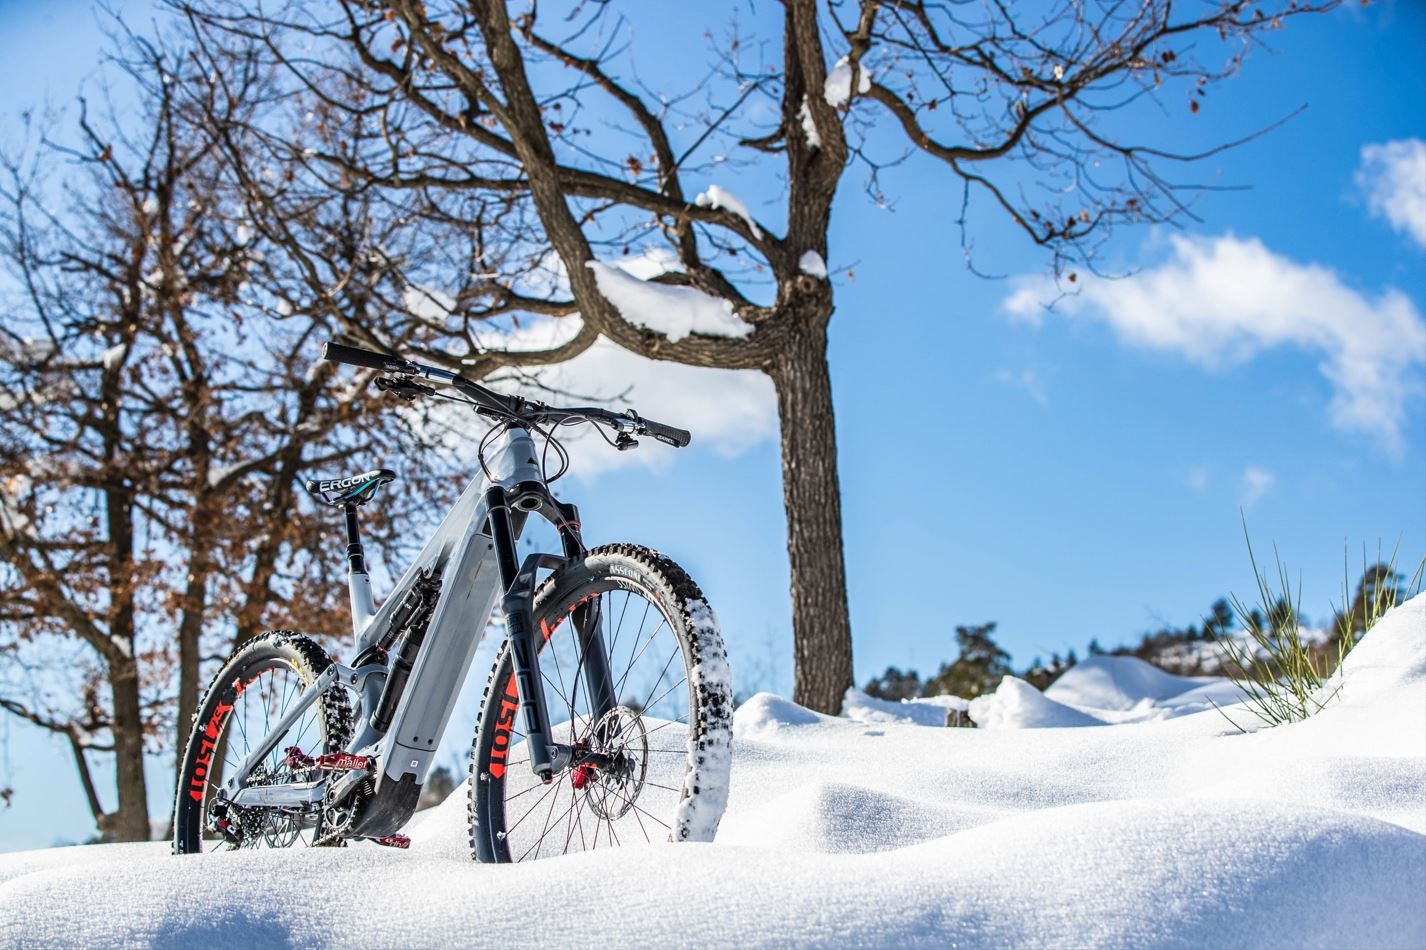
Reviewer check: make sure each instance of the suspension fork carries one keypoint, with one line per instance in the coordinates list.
(546, 757)
(588, 622)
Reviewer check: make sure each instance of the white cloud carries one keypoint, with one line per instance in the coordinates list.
(1392, 177)
(728, 410)
(1255, 483)
(1224, 300)
(1197, 478)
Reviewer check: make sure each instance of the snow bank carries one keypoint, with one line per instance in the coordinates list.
(765, 714)
(1175, 831)
(1016, 704)
(1103, 690)
(669, 309)
(929, 711)
(1119, 682)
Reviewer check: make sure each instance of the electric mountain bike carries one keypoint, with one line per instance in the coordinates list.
(607, 715)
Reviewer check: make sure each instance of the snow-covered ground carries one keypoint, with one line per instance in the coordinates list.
(1164, 826)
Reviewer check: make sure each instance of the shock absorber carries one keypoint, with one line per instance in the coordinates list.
(421, 601)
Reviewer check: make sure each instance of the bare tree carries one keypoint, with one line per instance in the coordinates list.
(160, 410)
(1028, 110)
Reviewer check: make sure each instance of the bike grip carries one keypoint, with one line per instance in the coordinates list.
(356, 356)
(678, 438)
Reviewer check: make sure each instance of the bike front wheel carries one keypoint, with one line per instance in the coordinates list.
(655, 766)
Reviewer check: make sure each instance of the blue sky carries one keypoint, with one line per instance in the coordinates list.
(1073, 474)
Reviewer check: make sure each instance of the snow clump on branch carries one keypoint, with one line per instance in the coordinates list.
(811, 264)
(838, 87)
(716, 197)
(666, 308)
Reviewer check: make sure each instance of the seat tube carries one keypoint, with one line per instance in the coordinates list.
(363, 605)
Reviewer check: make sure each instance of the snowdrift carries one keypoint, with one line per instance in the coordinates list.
(1099, 691)
(1171, 829)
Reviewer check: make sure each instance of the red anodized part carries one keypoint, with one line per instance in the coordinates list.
(394, 841)
(297, 759)
(582, 775)
(345, 762)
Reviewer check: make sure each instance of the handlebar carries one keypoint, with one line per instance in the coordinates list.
(669, 435)
(367, 359)
(493, 403)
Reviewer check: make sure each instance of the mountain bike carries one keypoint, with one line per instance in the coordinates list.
(606, 717)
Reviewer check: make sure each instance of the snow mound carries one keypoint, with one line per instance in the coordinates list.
(1141, 873)
(1016, 704)
(444, 829)
(839, 818)
(1391, 654)
(1119, 682)
(765, 713)
(927, 711)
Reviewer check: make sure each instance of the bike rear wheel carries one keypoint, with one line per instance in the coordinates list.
(662, 752)
(253, 691)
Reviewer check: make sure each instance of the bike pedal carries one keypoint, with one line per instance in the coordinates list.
(394, 841)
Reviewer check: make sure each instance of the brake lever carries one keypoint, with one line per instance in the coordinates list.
(407, 389)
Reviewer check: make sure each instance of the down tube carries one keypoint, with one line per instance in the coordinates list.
(469, 591)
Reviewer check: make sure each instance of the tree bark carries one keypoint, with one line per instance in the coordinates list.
(190, 628)
(130, 822)
(821, 627)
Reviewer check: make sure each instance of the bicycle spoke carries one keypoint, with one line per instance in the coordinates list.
(620, 778)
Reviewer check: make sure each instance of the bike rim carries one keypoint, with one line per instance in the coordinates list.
(258, 699)
(587, 808)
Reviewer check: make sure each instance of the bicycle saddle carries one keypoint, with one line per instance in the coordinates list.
(356, 490)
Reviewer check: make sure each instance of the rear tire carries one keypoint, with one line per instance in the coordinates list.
(670, 730)
(256, 687)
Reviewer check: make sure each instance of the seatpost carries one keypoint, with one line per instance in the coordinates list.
(358, 580)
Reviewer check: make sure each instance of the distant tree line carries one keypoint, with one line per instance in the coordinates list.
(981, 663)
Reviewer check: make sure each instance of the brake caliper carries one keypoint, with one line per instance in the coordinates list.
(582, 775)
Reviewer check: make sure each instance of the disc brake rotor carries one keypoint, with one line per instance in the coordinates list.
(620, 735)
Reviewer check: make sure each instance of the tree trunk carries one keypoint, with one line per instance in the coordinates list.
(190, 627)
(821, 628)
(130, 822)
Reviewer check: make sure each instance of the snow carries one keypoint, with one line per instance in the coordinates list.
(1018, 705)
(838, 88)
(811, 263)
(669, 309)
(809, 125)
(1102, 690)
(697, 816)
(216, 476)
(927, 711)
(114, 356)
(716, 197)
(1170, 831)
